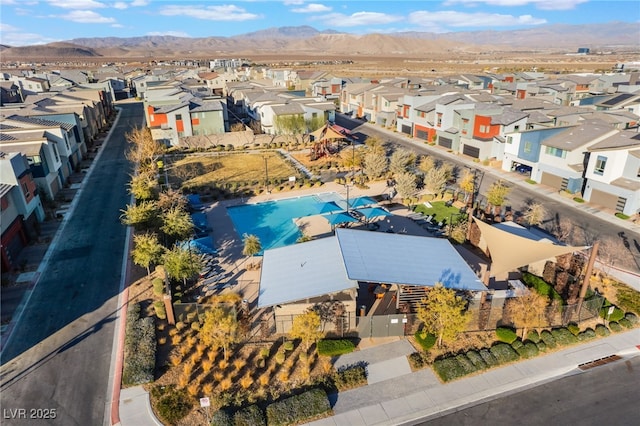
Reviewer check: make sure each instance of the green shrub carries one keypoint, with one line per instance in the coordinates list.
(540, 286)
(631, 317)
(628, 298)
(528, 350)
(418, 360)
(573, 328)
(448, 369)
(548, 339)
(195, 326)
(334, 347)
(425, 340)
(616, 315)
(466, 364)
(503, 353)
(588, 334)
(249, 416)
(578, 200)
(517, 344)
(488, 357)
(349, 376)
(158, 307)
(287, 346)
(140, 348)
(615, 327)
(621, 216)
(563, 336)
(542, 347)
(221, 418)
(298, 409)
(280, 357)
(533, 336)
(174, 404)
(158, 286)
(602, 331)
(477, 360)
(180, 325)
(264, 352)
(506, 335)
(625, 323)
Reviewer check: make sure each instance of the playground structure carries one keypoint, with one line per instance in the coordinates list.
(326, 140)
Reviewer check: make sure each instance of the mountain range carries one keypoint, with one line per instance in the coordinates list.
(306, 40)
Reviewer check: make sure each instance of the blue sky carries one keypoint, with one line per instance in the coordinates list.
(26, 22)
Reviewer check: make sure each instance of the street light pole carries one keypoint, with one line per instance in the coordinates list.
(266, 175)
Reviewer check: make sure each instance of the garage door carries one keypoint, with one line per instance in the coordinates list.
(422, 134)
(406, 129)
(471, 151)
(551, 180)
(446, 142)
(604, 199)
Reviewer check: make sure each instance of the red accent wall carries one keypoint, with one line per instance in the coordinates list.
(195, 121)
(429, 130)
(158, 119)
(15, 228)
(521, 94)
(31, 186)
(4, 203)
(484, 121)
(180, 125)
(509, 79)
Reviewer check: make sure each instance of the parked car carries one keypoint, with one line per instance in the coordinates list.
(523, 169)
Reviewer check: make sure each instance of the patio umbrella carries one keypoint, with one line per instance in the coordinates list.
(329, 207)
(338, 218)
(362, 202)
(372, 212)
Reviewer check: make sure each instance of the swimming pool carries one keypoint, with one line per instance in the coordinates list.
(272, 221)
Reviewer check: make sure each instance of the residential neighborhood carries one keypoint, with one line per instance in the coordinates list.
(331, 237)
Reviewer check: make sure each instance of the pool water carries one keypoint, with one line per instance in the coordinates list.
(273, 221)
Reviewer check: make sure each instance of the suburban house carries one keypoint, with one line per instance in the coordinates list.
(20, 207)
(10, 93)
(613, 173)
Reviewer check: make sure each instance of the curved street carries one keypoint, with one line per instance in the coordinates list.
(59, 354)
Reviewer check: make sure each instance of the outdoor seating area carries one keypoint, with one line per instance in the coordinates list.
(427, 223)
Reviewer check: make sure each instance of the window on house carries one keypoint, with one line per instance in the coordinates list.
(601, 163)
(556, 152)
(439, 120)
(25, 190)
(314, 114)
(34, 160)
(484, 128)
(152, 117)
(509, 140)
(55, 152)
(528, 146)
(178, 117)
(516, 128)
(638, 175)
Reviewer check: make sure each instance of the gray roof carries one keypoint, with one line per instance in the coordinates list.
(508, 116)
(578, 136)
(291, 108)
(302, 271)
(41, 122)
(623, 140)
(404, 259)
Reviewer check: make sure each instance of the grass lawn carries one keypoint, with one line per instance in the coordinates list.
(204, 170)
(439, 211)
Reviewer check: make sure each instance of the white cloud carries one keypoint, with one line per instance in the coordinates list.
(540, 4)
(312, 8)
(120, 5)
(7, 28)
(293, 2)
(168, 33)
(13, 36)
(438, 21)
(358, 19)
(77, 4)
(226, 12)
(87, 17)
(117, 26)
(135, 3)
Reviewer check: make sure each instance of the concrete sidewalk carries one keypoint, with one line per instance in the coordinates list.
(419, 396)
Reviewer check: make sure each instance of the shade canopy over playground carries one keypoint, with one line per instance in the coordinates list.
(510, 250)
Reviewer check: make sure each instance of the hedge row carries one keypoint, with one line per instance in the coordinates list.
(425, 340)
(350, 376)
(140, 348)
(334, 347)
(299, 408)
(541, 286)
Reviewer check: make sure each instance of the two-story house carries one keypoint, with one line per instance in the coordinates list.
(613, 173)
(20, 207)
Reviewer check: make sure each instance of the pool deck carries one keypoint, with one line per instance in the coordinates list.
(246, 280)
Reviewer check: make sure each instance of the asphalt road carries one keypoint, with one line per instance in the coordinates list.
(592, 227)
(606, 395)
(59, 355)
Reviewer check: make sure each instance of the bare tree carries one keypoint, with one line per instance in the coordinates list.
(435, 180)
(535, 214)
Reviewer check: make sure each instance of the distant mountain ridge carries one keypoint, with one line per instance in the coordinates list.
(309, 41)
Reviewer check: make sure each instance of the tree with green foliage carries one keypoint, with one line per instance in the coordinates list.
(142, 214)
(458, 232)
(181, 263)
(292, 125)
(143, 186)
(527, 310)
(306, 327)
(147, 250)
(375, 163)
(467, 185)
(252, 245)
(177, 223)
(401, 161)
(219, 329)
(497, 193)
(443, 313)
